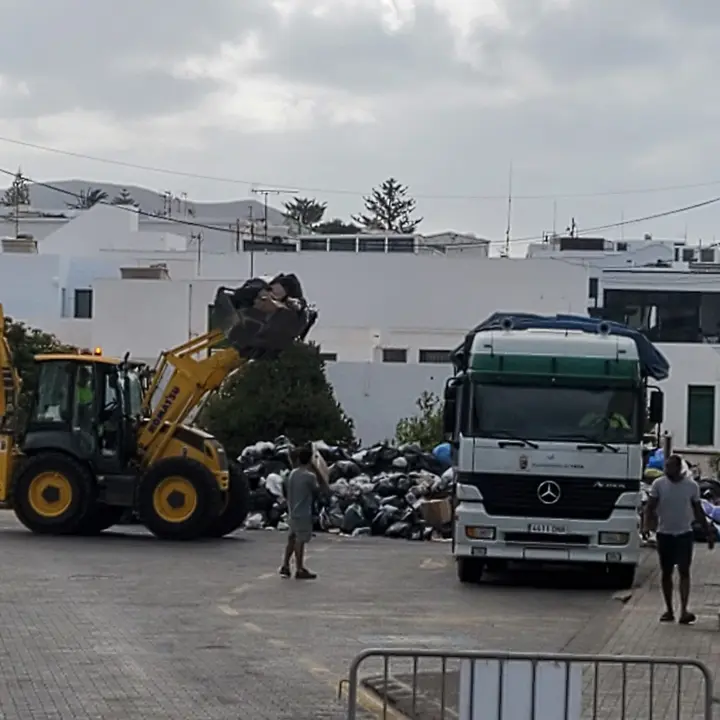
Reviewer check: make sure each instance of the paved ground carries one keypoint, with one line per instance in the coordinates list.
(126, 626)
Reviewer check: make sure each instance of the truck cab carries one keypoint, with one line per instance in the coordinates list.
(547, 418)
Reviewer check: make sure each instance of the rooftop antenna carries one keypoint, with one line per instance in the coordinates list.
(506, 251)
(554, 224)
(622, 224)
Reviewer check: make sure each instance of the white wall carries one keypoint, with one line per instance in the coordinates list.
(365, 303)
(377, 396)
(689, 365)
(30, 286)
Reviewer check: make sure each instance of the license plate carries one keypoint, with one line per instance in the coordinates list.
(547, 529)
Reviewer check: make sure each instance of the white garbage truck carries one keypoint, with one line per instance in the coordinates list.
(546, 416)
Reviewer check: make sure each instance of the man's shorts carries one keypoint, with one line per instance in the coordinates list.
(675, 550)
(300, 531)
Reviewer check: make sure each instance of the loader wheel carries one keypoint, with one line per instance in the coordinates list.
(236, 505)
(179, 499)
(51, 494)
(98, 518)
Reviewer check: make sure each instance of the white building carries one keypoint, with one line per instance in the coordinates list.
(391, 307)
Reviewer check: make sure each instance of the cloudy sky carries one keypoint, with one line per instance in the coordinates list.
(605, 108)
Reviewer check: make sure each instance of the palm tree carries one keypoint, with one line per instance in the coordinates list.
(88, 198)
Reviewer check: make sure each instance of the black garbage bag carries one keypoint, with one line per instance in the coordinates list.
(399, 530)
(276, 513)
(385, 487)
(343, 469)
(385, 517)
(393, 501)
(353, 518)
(370, 504)
(260, 319)
(404, 483)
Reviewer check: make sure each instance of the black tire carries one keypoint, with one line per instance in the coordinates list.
(98, 518)
(198, 481)
(469, 570)
(236, 505)
(621, 577)
(77, 487)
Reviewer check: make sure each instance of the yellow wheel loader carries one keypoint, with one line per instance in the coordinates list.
(101, 437)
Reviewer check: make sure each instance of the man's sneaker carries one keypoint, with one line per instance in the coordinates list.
(687, 618)
(305, 574)
(667, 616)
(284, 572)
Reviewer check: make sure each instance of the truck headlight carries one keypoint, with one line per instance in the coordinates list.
(480, 533)
(614, 538)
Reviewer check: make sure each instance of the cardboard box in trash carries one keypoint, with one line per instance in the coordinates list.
(436, 513)
(320, 466)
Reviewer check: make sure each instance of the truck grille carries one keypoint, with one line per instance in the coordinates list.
(517, 496)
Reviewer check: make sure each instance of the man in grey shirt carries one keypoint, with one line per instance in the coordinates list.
(673, 504)
(300, 490)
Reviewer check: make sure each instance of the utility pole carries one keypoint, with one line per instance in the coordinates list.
(506, 251)
(270, 191)
(198, 237)
(237, 235)
(252, 241)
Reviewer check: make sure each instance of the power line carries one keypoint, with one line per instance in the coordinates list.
(530, 238)
(345, 191)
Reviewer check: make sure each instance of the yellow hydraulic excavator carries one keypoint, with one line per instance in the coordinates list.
(99, 440)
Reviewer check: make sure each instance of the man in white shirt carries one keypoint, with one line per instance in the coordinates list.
(673, 505)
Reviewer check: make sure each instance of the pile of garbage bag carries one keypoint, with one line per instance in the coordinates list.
(396, 492)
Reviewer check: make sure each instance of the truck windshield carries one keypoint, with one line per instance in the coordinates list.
(603, 415)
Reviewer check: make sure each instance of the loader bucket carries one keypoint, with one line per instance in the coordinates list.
(261, 318)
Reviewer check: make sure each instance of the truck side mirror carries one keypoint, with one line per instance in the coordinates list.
(450, 408)
(656, 411)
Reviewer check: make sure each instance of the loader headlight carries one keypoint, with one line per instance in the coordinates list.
(480, 533)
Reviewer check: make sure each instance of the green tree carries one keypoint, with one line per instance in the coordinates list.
(123, 198)
(26, 342)
(87, 198)
(289, 395)
(305, 212)
(18, 193)
(389, 207)
(426, 428)
(336, 227)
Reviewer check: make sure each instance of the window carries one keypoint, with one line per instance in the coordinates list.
(83, 304)
(701, 415)
(593, 288)
(434, 357)
(556, 413)
(375, 244)
(328, 357)
(343, 244)
(52, 400)
(707, 255)
(688, 255)
(394, 355)
(621, 247)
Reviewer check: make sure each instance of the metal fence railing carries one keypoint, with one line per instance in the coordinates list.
(437, 685)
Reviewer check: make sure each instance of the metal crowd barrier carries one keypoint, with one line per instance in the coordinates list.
(402, 684)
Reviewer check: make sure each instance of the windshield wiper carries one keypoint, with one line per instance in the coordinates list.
(590, 439)
(516, 438)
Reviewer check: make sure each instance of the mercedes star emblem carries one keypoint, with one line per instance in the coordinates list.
(548, 492)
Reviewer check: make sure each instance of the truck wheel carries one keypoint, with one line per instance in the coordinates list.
(236, 505)
(621, 577)
(179, 499)
(469, 570)
(100, 517)
(51, 494)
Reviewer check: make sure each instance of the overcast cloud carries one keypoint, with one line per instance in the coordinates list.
(582, 96)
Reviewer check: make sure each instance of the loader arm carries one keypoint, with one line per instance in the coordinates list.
(181, 381)
(255, 322)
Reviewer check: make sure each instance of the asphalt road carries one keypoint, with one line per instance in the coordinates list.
(126, 626)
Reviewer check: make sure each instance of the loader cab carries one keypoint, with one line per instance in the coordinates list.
(87, 406)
